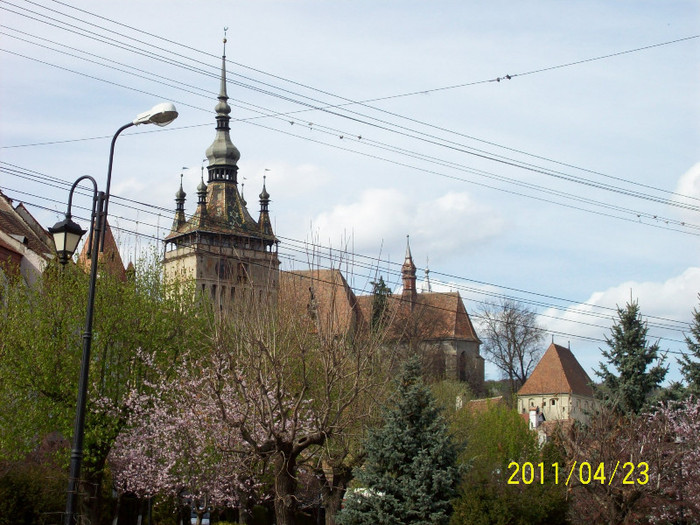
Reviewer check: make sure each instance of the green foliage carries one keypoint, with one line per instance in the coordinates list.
(380, 298)
(495, 438)
(450, 395)
(410, 471)
(690, 364)
(41, 349)
(31, 494)
(634, 378)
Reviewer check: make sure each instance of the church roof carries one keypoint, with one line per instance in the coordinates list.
(558, 372)
(438, 315)
(325, 295)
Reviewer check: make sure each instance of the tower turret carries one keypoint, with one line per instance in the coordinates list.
(408, 275)
(264, 220)
(222, 154)
(180, 218)
(229, 255)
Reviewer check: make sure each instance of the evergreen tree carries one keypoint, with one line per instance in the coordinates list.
(628, 387)
(380, 298)
(690, 368)
(410, 471)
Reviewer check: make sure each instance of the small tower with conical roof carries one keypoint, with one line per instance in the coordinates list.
(408, 276)
(180, 218)
(264, 220)
(231, 257)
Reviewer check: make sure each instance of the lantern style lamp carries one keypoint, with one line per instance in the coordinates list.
(66, 236)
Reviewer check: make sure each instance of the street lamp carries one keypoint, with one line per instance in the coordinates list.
(67, 234)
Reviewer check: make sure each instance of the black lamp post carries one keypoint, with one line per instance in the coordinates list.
(66, 236)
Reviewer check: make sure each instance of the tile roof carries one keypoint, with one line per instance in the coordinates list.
(110, 257)
(18, 222)
(434, 316)
(323, 293)
(558, 372)
(440, 315)
(477, 406)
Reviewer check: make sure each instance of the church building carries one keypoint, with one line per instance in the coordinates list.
(435, 325)
(230, 256)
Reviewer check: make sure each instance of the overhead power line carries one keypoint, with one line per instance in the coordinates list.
(363, 291)
(372, 263)
(440, 142)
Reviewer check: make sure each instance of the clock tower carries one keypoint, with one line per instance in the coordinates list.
(231, 257)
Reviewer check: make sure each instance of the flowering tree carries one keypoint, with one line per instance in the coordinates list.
(269, 390)
(670, 436)
(658, 474)
(176, 445)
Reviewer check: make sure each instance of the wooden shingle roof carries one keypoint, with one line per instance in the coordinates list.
(558, 372)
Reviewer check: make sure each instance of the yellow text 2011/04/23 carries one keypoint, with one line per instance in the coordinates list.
(528, 473)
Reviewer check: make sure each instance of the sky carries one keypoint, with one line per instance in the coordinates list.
(540, 150)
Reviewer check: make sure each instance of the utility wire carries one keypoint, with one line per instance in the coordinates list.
(373, 263)
(521, 165)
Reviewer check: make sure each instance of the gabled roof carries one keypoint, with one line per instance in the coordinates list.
(19, 223)
(558, 372)
(110, 257)
(437, 315)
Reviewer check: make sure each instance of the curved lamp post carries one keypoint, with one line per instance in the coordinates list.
(66, 235)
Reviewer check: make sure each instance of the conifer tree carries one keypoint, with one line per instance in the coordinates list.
(410, 471)
(690, 367)
(380, 294)
(638, 369)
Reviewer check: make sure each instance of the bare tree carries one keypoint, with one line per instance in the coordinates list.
(512, 339)
(299, 383)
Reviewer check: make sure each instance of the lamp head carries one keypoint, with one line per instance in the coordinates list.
(66, 236)
(161, 115)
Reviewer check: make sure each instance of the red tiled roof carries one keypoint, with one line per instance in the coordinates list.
(110, 257)
(333, 303)
(477, 406)
(438, 315)
(558, 372)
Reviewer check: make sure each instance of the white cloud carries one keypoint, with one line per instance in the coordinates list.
(673, 299)
(283, 179)
(689, 186)
(445, 224)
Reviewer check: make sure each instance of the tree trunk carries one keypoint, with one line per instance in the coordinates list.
(285, 490)
(118, 503)
(334, 491)
(91, 489)
(245, 508)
